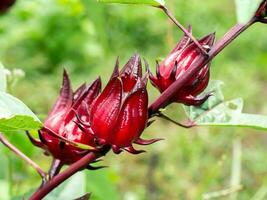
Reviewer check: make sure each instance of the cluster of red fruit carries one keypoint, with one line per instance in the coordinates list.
(115, 117)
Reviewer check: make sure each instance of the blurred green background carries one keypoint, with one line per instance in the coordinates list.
(44, 36)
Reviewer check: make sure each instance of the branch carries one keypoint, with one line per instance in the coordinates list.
(23, 156)
(180, 26)
(264, 21)
(58, 179)
(163, 99)
(229, 37)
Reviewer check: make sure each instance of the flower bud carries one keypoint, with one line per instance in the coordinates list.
(61, 120)
(177, 63)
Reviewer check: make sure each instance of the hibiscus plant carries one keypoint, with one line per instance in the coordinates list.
(87, 123)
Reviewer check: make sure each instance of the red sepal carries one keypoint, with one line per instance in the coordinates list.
(132, 119)
(131, 72)
(106, 109)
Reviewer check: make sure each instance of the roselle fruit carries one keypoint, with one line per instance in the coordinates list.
(5, 5)
(61, 121)
(177, 63)
(119, 114)
(113, 118)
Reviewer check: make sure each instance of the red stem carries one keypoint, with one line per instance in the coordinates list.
(230, 36)
(58, 179)
(264, 21)
(180, 26)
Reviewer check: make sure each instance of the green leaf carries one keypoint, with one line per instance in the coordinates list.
(71, 189)
(216, 112)
(3, 81)
(101, 184)
(246, 9)
(155, 3)
(15, 115)
(19, 123)
(216, 98)
(11, 106)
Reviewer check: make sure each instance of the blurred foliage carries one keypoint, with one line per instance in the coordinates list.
(44, 36)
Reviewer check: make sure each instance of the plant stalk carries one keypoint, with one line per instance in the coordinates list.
(180, 26)
(23, 156)
(264, 21)
(58, 179)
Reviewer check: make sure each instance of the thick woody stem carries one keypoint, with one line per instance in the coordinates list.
(58, 179)
(180, 26)
(23, 156)
(163, 100)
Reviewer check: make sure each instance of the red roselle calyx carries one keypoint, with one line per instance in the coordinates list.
(179, 60)
(115, 117)
(5, 5)
(119, 114)
(61, 121)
